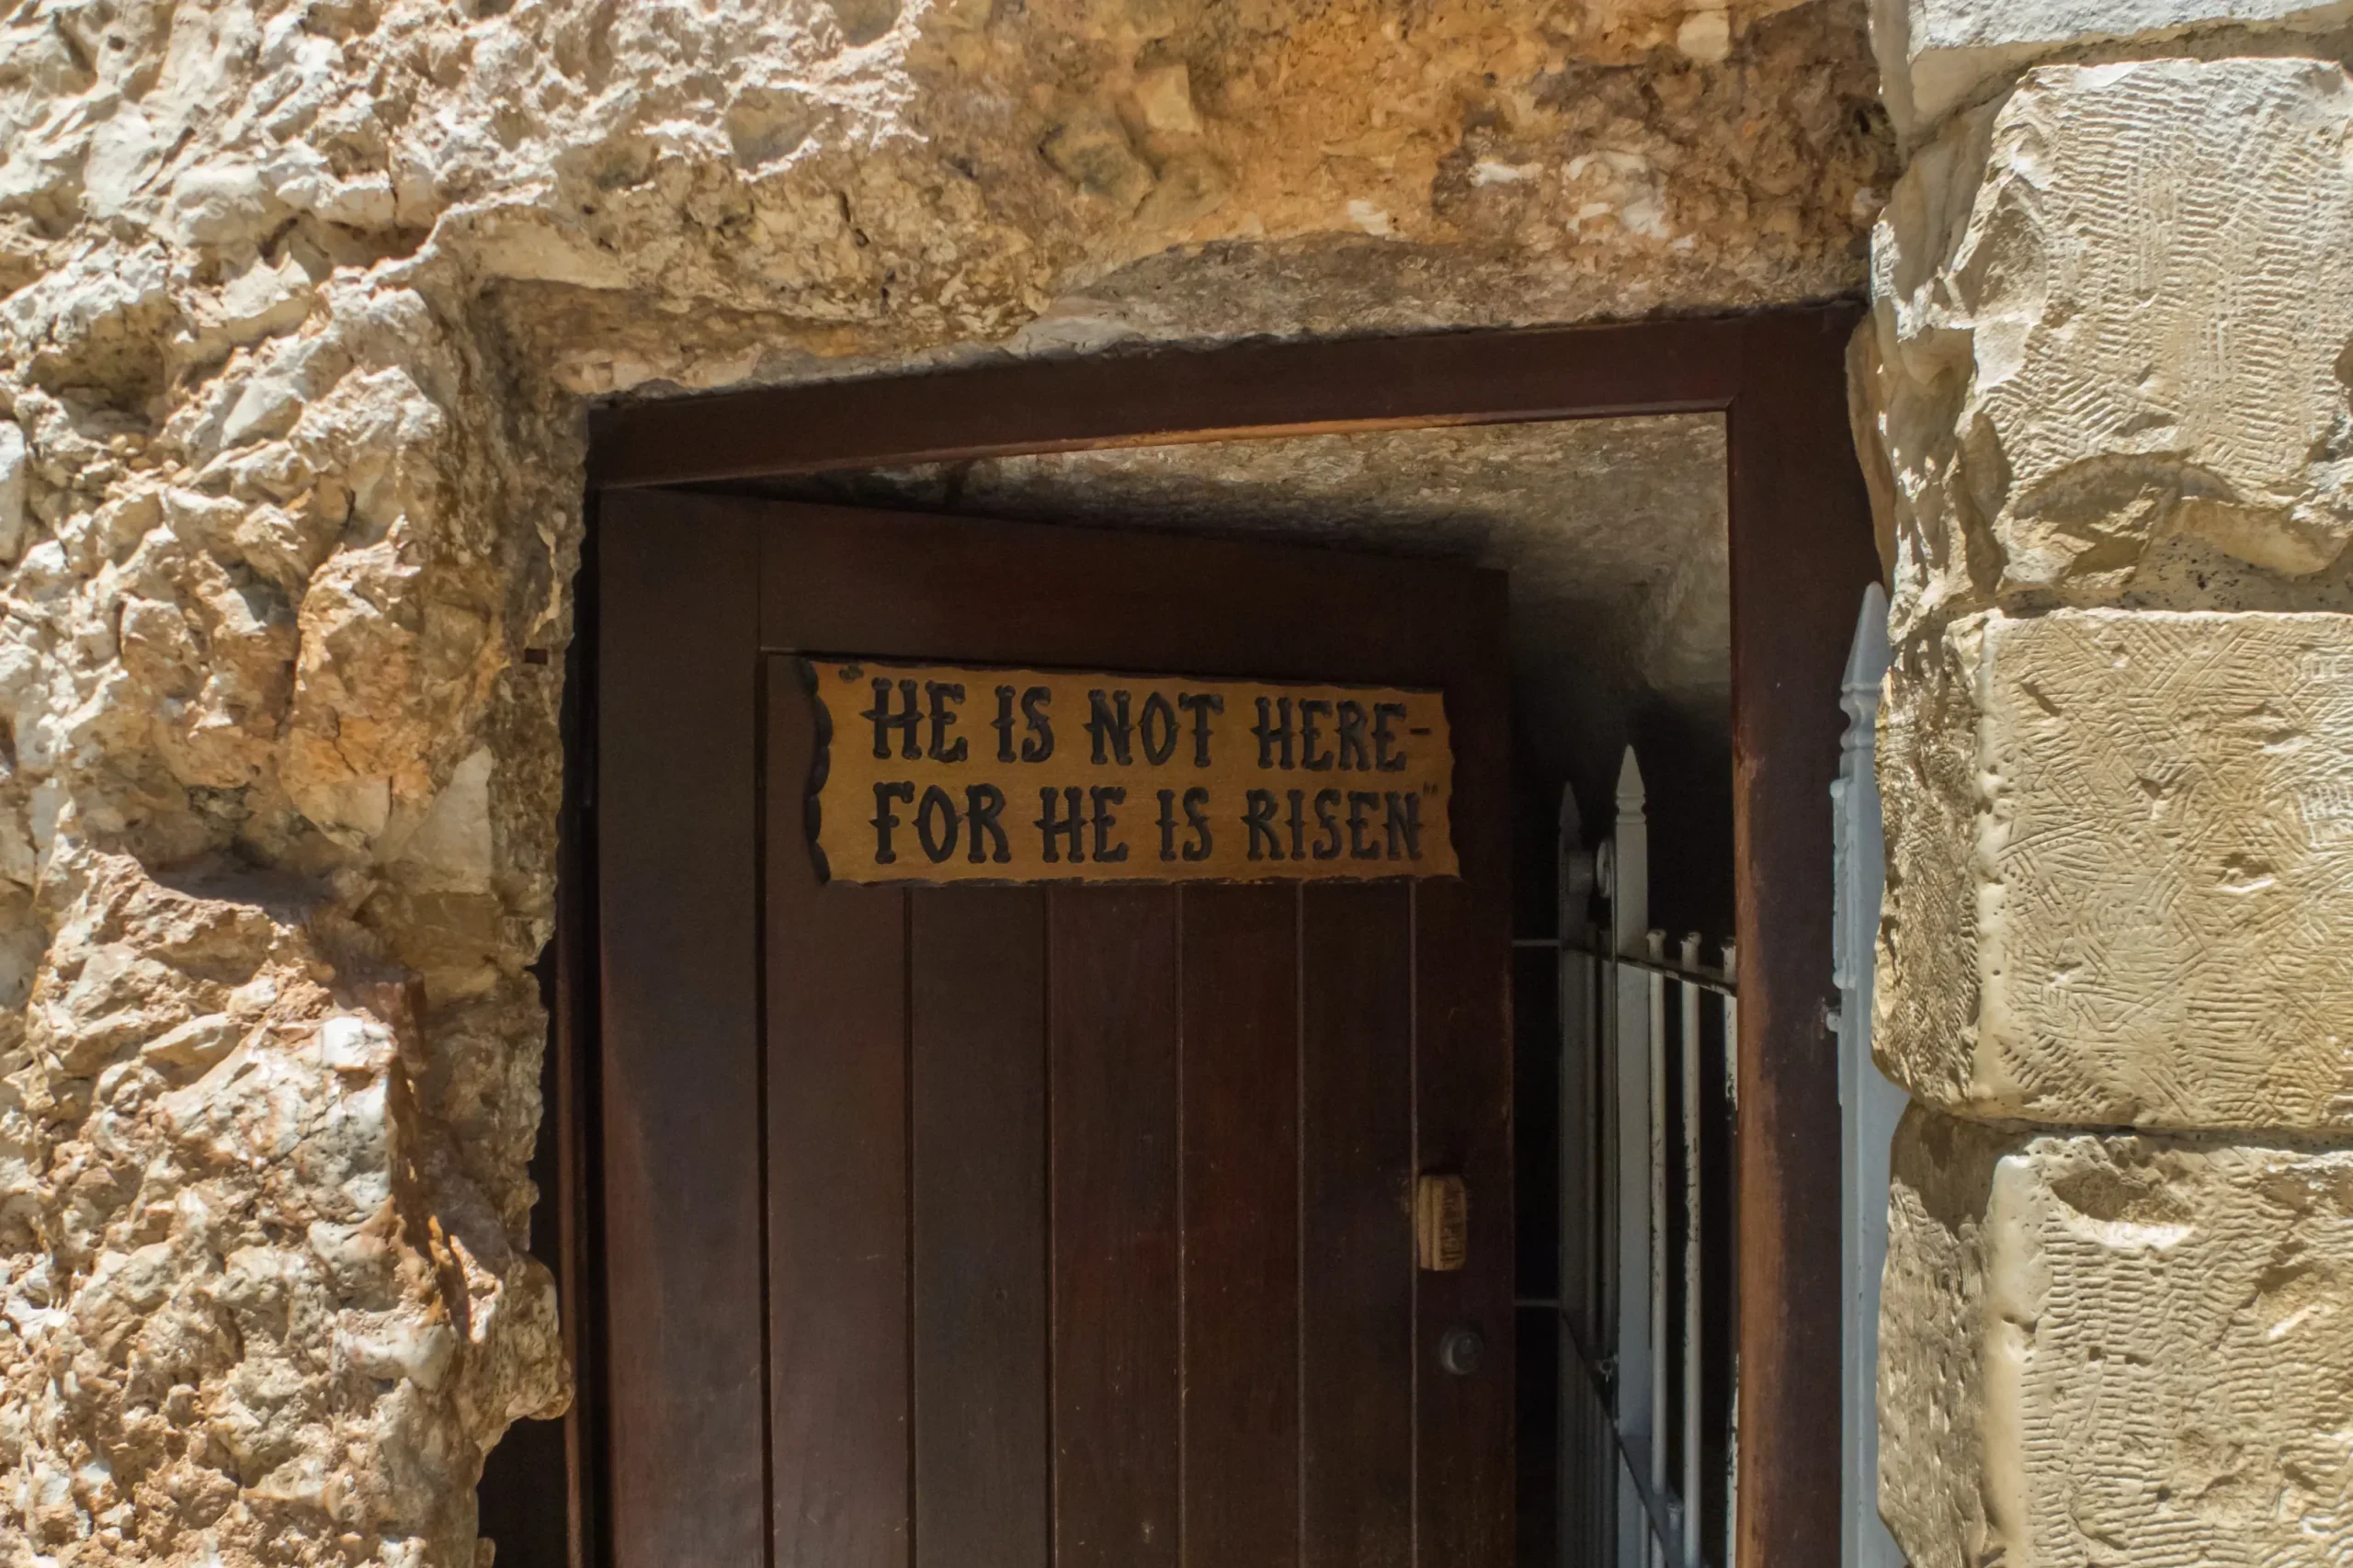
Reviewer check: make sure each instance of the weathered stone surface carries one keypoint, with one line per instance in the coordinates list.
(2128, 1351)
(1937, 54)
(2120, 870)
(2109, 381)
(2113, 311)
(275, 620)
(296, 303)
(295, 1311)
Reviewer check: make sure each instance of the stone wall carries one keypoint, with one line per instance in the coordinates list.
(2109, 379)
(298, 304)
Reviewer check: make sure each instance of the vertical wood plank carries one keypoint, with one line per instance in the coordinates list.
(837, 1186)
(1114, 1083)
(679, 1035)
(1240, 1005)
(977, 1022)
(1357, 1287)
(1464, 1459)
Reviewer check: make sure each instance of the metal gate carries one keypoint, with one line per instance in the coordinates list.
(1648, 1433)
(1648, 1424)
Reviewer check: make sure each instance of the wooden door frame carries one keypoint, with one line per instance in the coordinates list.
(1801, 553)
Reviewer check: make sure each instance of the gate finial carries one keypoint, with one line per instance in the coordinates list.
(1630, 786)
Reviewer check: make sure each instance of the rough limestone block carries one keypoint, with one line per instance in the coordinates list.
(2114, 312)
(2120, 870)
(2133, 1352)
(1935, 54)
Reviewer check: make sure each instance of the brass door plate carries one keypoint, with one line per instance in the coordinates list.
(1442, 1222)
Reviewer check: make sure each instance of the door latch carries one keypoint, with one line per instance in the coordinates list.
(1442, 1222)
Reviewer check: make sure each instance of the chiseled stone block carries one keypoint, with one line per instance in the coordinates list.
(2120, 870)
(2128, 1351)
(2114, 312)
(1935, 54)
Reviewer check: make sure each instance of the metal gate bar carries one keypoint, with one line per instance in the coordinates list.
(1636, 1023)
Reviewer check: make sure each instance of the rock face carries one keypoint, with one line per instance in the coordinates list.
(2123, 1350)
(295, 1311)
(2120, 870)
(275, 822)
(297, 301)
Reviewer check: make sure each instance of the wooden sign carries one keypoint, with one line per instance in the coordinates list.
(937, 773)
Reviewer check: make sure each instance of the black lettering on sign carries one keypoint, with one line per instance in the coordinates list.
(1273, 730)
(910, 745)
(941, 695)
(1201, 705)
(936, 824)
(1359, 803)
(1002, 723)
(1069, 826)
(1328, 817)
(1156, 728)
(1103, 797)
(1108, 721)
(885, 819)
(1311, 735)
(1384, 758)
(984, 804)
(1352, 755)
(1142, 783)
(1040, 743)
(1404, 822)
(1196, 817)
(1258, 816)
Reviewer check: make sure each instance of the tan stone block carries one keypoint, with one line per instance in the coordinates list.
(2114, 309)
(1935, 54)
(2123, 1351)
(2120, 870)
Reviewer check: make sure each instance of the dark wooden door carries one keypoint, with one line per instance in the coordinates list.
(986, 1227)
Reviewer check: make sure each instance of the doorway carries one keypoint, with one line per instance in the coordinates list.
(1610, 538)
(1799, 547)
